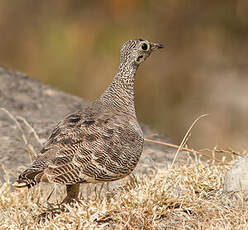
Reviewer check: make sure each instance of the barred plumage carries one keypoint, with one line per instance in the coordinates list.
(101, 143)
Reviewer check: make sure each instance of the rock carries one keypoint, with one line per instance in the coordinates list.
(236, 179)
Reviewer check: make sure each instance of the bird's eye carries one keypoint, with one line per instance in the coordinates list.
(145, 46)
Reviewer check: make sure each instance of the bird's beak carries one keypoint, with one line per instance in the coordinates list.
(155, 46)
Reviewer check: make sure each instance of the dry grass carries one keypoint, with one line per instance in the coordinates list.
(185, 196)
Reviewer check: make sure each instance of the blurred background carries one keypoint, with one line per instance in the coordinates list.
(74, 46)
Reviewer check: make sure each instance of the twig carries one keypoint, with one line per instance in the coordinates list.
(224, 151)
(183, 148)
(31, 129)
(17, 124)
(186, 137)
(32, 153)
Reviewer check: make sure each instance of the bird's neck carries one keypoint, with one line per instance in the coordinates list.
(121, 91)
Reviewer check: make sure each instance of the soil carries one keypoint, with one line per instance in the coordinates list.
(42, 106)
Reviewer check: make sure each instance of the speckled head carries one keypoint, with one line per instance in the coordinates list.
(136, 51)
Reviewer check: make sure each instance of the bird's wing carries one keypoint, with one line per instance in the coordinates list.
(91, 147)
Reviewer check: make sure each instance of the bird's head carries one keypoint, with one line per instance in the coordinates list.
(136, 51)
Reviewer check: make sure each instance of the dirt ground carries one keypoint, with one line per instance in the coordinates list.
(42, 107)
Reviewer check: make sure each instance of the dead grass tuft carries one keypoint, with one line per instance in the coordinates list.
(184, 196)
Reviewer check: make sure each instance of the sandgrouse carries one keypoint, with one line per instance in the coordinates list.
(103, 142)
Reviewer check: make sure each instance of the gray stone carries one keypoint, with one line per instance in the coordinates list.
(236, 179)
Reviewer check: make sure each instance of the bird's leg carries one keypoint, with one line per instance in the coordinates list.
(72, 193)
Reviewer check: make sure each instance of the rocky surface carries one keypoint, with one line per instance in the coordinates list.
(42, 107)
(236, 179)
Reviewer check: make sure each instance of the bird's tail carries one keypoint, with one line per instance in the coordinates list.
(29, 178)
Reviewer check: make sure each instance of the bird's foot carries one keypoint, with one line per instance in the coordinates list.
(51, 212)
(69, 200)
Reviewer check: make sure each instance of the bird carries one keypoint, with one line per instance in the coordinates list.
(102, 142)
